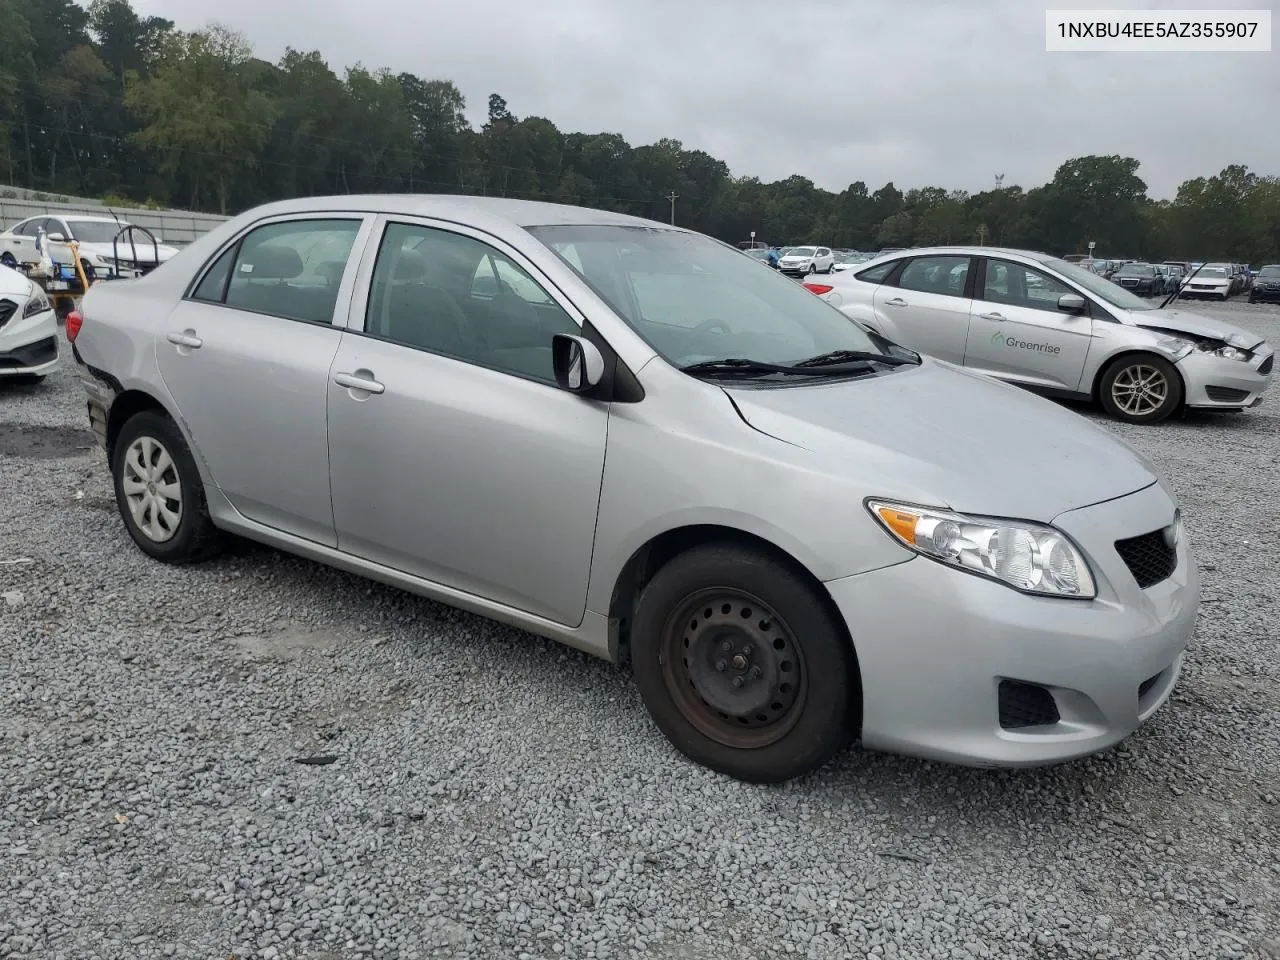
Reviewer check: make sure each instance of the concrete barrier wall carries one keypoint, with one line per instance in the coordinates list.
(176, 227)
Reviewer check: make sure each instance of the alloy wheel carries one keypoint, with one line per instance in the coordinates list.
(152, 489)
(1140, 390)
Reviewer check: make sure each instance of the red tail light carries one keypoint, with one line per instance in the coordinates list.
(819, 288)
(74, 320)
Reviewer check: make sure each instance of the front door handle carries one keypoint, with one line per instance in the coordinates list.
(895, 302)
(187, 338)
(998, 317)
(360, 380)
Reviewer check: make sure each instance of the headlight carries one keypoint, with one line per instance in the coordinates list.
(1176, 346)
(1026, 556)
(38, 303)
(1227, 353)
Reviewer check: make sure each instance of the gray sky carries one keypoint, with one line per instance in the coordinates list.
(920, 92)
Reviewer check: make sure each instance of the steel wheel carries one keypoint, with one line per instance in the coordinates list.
(1140, 390)
(153, 489)
(734, 668)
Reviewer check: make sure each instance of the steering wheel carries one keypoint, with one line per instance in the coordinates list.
(706, 326)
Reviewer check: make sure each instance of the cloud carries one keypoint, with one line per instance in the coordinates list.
(920, 92)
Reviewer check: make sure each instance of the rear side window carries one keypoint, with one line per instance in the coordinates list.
(940, 275)
(877, 273)
(290, 270)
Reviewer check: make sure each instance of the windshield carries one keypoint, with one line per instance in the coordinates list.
(1210, 272)
(99, 231)
(1136, 270)
(802, 251)
(693, 300)
(1270, 271)
(1103, 289)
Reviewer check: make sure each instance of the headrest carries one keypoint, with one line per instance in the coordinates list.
(411, 266)
(271, 261)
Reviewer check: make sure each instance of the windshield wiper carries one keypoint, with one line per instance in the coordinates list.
(836, 357)
(743, 365)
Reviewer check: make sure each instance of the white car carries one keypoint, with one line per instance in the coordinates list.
(801, 261)
(28, 329)
(1211, 280)
(94, 235)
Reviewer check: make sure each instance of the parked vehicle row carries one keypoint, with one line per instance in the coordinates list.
(741, 488)
(106, 245)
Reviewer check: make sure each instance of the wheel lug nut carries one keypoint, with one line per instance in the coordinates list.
(737, 681)
(725, 646)
(721, 666)
(746, 651)
(755, 673)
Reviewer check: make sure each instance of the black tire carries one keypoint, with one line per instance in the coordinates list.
(27, 379)
(812, 269)
(194, 538)
(7, 259)
(1128, 369)
(800, 701)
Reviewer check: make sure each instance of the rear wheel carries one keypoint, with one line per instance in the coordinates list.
(7, 259)
(742, 666)
(159, 493)
(1142, 388)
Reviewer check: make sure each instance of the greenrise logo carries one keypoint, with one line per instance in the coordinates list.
(1017, 344)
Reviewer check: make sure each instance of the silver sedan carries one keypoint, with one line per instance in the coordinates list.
(630, 438)
(1047, 324)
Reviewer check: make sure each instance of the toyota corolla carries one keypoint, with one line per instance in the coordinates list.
(1050, 325)
(629, 438)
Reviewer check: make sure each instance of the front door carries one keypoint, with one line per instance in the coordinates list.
(1018, 333)
(926, 308)
(454, 456)
(246, 358)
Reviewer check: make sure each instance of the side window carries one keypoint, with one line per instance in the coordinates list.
(27, 229)
(457, 296)
(941, 275)
(290, 269)
(213, 287)
(1022, 286)
(877, 273)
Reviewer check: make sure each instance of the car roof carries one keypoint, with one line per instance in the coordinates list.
(972, 251)
(522, 213)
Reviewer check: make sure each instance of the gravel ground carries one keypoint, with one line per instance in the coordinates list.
(496, 795)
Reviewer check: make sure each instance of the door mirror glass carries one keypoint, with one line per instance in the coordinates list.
(579, 365)
(1071, 303)
(56, 236)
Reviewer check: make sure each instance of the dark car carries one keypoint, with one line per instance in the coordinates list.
(1266, 284)
(1140, 278)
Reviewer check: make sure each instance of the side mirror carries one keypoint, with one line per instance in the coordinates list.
(578, 363)
(1071, 303)
(56, 237)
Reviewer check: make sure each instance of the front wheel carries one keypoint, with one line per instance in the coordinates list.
(7, 259)
(1141, 389)
(742, 667)
(812, 269)
(159, 493)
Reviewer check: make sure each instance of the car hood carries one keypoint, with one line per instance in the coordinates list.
(1182, 321)
(14, 284)
(940, 436)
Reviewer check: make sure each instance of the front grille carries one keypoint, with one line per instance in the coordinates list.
(1266, 364)
(32, 355)
(7, 309)
(1026, 705)
(1225, 394)
(1150, 558)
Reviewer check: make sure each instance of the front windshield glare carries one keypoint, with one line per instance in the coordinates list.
(694, 300)
(802, 251)
(1104, 289)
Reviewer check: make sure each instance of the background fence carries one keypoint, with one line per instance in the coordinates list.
(176, 227)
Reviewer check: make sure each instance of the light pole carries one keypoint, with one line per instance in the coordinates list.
(672, 196)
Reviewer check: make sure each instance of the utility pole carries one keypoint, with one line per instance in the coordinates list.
(672, 196)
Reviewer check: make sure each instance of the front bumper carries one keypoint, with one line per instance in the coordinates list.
(1218, 292)
(29, 345)
(1215, 383)
(934, 643)
(1268, 293)
(796, 269)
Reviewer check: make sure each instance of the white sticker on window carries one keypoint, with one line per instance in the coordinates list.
(246, 268)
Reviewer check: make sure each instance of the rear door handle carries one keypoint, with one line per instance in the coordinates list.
(998, 317)
(360, 380)
(895, 302)
(187, 338)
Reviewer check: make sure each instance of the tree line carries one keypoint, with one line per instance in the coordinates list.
(97, 101)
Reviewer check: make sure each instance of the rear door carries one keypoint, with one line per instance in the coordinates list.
(1017, 332)
(926, 306)
(246, 356)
